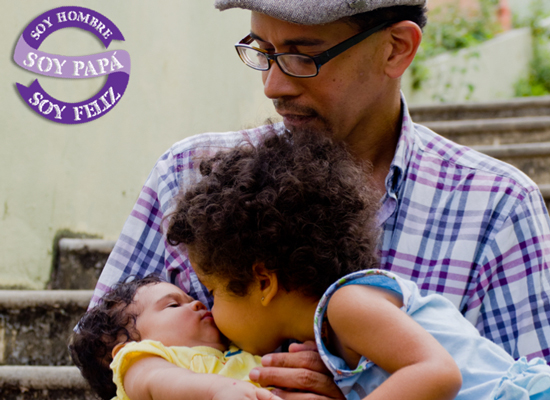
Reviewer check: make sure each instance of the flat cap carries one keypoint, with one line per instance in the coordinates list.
(313, 12)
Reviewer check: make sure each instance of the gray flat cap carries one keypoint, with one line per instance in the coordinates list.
(313, 12)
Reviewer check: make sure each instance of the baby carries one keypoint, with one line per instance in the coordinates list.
(149, 318)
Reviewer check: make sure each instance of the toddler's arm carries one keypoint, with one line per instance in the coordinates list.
(368, 321)
(153, 378)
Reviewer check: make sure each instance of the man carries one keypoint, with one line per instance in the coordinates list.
(456, 222)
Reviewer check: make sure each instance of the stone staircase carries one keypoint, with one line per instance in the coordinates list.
(35, 325)
(515, 131)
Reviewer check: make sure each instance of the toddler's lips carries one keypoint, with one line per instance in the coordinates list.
(207, 315)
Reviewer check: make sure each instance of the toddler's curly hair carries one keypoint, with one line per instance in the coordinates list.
(101, 329)
(297, 202)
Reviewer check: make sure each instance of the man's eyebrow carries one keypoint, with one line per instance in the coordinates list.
(300, 41)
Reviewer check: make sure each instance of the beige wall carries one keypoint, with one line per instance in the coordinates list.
(186, 78)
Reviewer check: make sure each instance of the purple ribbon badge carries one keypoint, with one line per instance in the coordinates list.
(116, 64)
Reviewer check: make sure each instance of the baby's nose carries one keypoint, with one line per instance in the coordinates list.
(197, 305)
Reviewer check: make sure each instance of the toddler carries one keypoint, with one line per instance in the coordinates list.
(283, 235)
(148, 318)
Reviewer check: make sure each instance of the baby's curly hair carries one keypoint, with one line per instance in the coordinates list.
(297, 202)
(101, 329)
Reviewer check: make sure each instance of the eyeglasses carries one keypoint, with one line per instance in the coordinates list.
(296, 64)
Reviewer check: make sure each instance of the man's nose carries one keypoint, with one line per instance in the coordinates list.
(277, 84)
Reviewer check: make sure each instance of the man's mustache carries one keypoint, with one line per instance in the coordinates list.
(284, 106)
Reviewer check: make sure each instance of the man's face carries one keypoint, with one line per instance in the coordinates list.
(344, 96)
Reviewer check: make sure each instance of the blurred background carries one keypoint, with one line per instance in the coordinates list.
(82, 180)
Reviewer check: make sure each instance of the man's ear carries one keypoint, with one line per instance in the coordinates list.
(405, 37)
(267, 281)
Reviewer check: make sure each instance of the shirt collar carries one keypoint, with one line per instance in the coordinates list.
(403, 152)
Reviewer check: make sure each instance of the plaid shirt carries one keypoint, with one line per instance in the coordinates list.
(455, 221)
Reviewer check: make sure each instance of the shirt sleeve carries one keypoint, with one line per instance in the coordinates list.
(141, 248)
(512, 285)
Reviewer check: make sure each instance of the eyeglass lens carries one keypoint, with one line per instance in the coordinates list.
(292, 64)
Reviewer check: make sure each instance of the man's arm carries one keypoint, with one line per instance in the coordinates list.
(509, 301)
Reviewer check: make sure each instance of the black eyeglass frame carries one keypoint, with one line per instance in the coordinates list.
(319, 59)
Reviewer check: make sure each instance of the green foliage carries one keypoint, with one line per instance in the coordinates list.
(538, 82)
(451, 29)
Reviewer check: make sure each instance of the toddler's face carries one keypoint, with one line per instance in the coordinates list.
(167, 314)
(243, 319)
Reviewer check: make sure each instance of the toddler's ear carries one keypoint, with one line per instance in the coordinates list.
(117, 348)
(268, 284)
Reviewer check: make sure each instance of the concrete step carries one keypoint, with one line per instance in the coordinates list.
(43, 383)
(495, 131)
(79, 263)
(531, 158)
(520, 107)
(35, 325)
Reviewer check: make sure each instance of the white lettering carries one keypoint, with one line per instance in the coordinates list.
(77, 113)
(40, 29)
(81, 17)
(88, 112)
(77, 65)
(105, 102)
(39, 64)
(100, 27)
(103, 62)
(37, 96)
(41, 106)
(58, 66)
(115, 63)
(31, 57)
(90, 68)
(58, 111)
(112, 95)
(61, 17)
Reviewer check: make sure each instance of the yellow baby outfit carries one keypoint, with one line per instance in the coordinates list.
(234, 363)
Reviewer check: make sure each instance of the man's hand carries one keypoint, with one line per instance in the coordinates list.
(301, 373)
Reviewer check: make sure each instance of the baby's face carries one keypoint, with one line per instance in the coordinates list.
(167, 314)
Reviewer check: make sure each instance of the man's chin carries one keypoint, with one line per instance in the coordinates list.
(306, 124)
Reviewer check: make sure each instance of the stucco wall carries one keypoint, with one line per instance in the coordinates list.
(476, 73)
(186, 78)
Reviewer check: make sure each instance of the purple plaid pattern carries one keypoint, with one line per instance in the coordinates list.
(454, 221)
